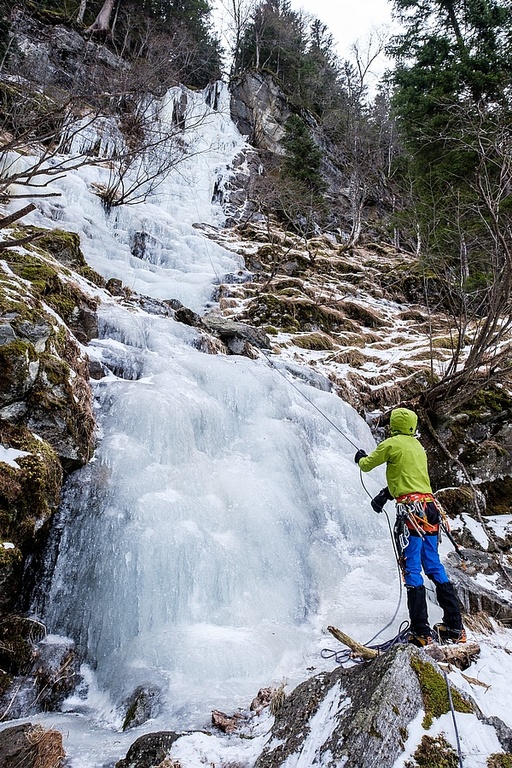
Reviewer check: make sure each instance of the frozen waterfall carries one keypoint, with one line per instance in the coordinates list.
(222, 523)
(220, 526)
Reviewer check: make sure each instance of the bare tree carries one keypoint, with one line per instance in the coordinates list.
(358, 148)
(101, 24)
(238, 14)
(81, 11)
(484, 316)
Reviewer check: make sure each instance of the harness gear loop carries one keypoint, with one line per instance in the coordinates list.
(415, 506)
(401, 537)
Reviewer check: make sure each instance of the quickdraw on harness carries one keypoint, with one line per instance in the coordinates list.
(411, 515)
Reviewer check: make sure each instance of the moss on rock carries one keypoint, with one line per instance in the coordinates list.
(295, 314)
(435, 692)
(28, 498)
(500, 760)
(434, 753)
(63, 296)
(314, 341)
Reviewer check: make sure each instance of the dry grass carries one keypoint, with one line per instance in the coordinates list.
(480, 622)
(278, 699)
(47, 751)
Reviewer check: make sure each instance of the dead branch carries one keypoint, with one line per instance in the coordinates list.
(8, 220)
(461, 655)
(358, 650)
(4, 244)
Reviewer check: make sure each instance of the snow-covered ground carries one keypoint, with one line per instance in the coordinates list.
(222, 523)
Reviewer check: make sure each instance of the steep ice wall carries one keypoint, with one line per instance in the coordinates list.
(222, 522)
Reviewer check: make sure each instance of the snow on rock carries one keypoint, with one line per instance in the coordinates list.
(9, 456)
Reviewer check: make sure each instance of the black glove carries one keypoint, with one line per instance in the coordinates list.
(380, 499)
(360, 455)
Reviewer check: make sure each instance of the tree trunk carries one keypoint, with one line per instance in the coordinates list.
(102, 22)
(81, 11)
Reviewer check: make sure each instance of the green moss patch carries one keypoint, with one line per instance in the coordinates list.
(434, 753)
(30, 494)
(435, 693)
(65, 247)
(15, 360)
(294, 314)
(500, 760)
(62, 296)
(318, 341)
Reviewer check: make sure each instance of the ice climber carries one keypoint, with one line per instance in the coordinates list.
(408, 483)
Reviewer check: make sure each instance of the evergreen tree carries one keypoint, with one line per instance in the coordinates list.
(452, 100)
(275, 40)
(303, 156)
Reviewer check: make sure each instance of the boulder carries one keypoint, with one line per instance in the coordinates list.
(31, 745)
(149, 750)
(260, 110)
(364, 713)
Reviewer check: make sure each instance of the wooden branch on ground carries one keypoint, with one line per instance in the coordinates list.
(358, 650)
(459, 654)
(24, 240)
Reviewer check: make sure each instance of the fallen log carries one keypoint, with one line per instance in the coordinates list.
(461, 655)
(358, 650)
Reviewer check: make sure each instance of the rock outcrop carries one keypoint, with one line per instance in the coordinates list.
(31, 745)
(47, 425)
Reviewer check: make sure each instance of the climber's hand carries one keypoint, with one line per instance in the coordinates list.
(380, 499)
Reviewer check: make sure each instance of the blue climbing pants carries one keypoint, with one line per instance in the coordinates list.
(421, 552)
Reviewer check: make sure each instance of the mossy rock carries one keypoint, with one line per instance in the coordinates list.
(434, 753)
(313, 341)
(17, 638)
(435, 692)
(498, 495)
(28, 495)
(65, 247)
(456, 500)
(63, 296)
(18, 363)
(500, 760)
(492, 400)
(293, 315)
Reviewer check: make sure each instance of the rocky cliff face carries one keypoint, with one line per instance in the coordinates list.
(46, 419)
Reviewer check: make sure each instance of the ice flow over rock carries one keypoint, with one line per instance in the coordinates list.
(222, 523)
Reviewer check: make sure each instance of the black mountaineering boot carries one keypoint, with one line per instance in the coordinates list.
(448, 601)
(420, 633)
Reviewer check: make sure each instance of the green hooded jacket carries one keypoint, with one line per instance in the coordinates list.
(405, 457)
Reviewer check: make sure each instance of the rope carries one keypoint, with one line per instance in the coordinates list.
(402, 634)
(345, 655)
(319, 410)
(459, 750)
